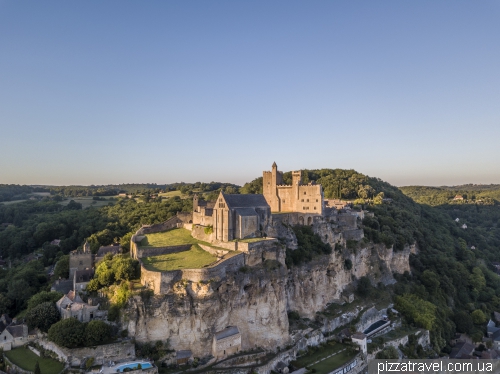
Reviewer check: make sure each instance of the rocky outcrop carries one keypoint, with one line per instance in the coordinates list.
(254, 301)
(256, 298)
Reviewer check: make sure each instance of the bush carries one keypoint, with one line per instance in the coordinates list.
(348, 264)
(68, 333)
(43, 316)
(97, 332)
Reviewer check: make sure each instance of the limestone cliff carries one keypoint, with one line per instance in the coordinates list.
(314, 285)
(257, 298)
(254, 301)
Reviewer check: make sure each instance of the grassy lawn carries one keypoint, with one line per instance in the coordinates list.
(26, 360)
(171, 194)
(168, 238)
(87, 202)
(322, 352)
(195, 258)
(250, 240)
(333, 362)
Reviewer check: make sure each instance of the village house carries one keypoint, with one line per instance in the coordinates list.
(72, 306)
(12, 334)
(226, 342)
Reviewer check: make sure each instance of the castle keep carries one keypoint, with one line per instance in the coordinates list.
(295, 198)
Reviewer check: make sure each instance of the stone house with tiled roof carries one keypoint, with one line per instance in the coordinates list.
(12, 334)
(72, 306)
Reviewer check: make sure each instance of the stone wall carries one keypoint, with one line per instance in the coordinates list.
(171, 223)
(214, 251)
(198, 232)
(356, 234)
(161, 282)
(101, 353)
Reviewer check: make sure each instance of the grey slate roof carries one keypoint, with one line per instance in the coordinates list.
(228, 331)
(358, 335)
(246, 211)
(16, 331)
(462, 350)
(63, 286)
(245, 201)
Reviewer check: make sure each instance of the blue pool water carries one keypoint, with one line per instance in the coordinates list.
(133, 365)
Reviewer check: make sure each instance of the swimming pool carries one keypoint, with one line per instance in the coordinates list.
(133, 366)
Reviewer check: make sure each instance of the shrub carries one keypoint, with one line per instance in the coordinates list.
(43, 316)
(68, 333)
(348, 264)
(97, 332)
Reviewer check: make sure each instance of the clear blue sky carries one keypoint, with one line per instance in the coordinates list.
(104, 92)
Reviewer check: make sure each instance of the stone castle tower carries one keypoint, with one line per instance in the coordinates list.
(294, 198)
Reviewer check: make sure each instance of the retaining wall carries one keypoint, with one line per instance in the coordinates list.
(161, 282)
(101, 353)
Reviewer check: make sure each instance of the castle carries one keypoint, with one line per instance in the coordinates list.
(295, 198)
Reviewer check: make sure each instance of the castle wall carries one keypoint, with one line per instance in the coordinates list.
(161, 282)
(101, 353)
(170, 223)
(198, 232)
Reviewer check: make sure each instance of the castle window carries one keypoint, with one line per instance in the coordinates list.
(314, 208)
(307, 200)
(302, 200)
(81, 262)
(283, 201)
(304, 192)
(316, 200)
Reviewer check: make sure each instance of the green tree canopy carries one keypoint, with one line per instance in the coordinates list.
(43, 316)
(69, 333)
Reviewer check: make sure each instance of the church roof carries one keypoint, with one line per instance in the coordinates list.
(16, 331)
(246, 211)
(245, 201)
(228, 331)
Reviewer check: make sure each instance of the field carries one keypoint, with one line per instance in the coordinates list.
(194, 258)
(168, 238)
(172, 194)
(332, 363)
(26, 360)
(87, 202)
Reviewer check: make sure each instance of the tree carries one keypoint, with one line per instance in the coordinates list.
(388, 353)
(43, 316)
(68, 333)
(62, 268)
(97, 332)
(478, 317)
(421, 312)
(93, 285)
(43, 297)
(364, 286)
(463, 321)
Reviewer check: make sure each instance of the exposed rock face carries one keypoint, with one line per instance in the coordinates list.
(190, 316)
(257, 300)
